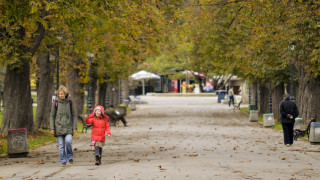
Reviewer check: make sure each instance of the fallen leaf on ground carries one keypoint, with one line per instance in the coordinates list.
(308, 169)
(237, 171)
(193, 155)
(161, 168)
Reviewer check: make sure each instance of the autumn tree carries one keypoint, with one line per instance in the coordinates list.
(22, 31)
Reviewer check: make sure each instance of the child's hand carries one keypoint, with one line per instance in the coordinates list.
(109, 135)
(86, 116)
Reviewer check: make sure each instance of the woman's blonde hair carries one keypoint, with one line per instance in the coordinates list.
(63, 89)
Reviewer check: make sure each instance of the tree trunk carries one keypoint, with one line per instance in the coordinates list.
(253, 93)
(18, 112)
(76, 90)
(200, 84)
(94, 90)
(309, 97)
(18, 109)
(263, 99)
(45, 90)
(277, 97)
(125, 88)
(102, 94)
(113, 90)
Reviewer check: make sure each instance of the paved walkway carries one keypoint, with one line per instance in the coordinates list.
(177, 138)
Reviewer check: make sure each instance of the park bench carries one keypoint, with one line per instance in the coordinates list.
(302, 132)
(85, 126)
(115, 116)
(237, 106)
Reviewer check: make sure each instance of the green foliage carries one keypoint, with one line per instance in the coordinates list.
(44, 137)
(245, 110)
(41, 138)
(250, 39)
(278, 126)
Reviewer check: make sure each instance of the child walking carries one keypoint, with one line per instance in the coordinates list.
(100, 123)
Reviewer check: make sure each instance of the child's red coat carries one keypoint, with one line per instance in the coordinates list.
(100, 127)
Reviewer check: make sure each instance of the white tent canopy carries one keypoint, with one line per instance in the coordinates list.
(143, 75)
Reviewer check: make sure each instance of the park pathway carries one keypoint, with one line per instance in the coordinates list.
(177, 138)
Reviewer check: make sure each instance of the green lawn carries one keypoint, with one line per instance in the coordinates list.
(277, 126)
(35, 140)
(35, 99)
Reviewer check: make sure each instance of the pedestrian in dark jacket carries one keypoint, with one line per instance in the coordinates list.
(231, 96)
(63, 123)
(101, 126)
(289, 111)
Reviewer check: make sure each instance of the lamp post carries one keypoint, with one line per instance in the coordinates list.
(57, 70)
(249, 94)
(58, 57)
(293, 45)
(89, 105)
(270, 98)
(120, 92)
(256, 96)
(107, 95)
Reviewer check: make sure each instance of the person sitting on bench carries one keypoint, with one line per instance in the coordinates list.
(115, 115)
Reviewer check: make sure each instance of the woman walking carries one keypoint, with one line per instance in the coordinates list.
(63, 123)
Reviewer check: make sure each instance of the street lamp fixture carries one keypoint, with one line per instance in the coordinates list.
(256, 96)
(107, 94)
(293, 46)
(57, 65)
(89, 105)
(120, 91)
(270, 97)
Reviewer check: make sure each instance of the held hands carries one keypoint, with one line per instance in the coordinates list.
(290, 116)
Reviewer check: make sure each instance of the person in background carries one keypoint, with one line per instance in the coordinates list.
(289, 111)
(100, 123)
(231, 96)
(63, 123)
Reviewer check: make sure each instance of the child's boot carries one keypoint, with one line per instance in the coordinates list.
(97, 152)
(100, 154)
(97, 160)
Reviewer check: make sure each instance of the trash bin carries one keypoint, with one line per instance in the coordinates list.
(253, 116)
(221, 95)
(132, 106)
(298, 123)
(314, 136)
(252, 107)
(18, 143)
(268, 120)
(126, 102)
